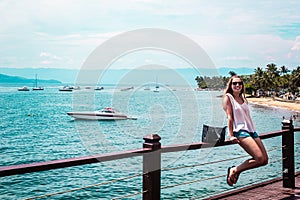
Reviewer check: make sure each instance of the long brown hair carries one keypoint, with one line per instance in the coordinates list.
(229, 88)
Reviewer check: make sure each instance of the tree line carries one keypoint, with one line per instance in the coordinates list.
(271, 79)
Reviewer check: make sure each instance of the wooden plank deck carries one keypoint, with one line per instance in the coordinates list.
(267, 190)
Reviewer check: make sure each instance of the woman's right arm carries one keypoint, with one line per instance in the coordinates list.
(229, 113)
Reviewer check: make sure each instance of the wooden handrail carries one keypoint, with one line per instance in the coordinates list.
(69, 162)
(199, 145)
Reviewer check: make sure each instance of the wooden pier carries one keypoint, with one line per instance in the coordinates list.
(271, 189)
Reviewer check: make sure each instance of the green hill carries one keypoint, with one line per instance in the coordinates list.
(16, 79)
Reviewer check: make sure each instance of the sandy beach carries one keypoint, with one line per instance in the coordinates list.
(271, 102)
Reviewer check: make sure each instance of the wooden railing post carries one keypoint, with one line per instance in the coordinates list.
(152, 168)
(288, 162)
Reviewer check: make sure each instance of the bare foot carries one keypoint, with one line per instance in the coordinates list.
(230, 176)
(235, 175)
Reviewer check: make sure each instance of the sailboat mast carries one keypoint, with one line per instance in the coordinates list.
(36, 84)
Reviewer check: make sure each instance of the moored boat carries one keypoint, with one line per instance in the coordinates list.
(36, 85)
(126, 89)
(99, 88)
(37, 88)
(104, 114)
(24, 88)
(66, 89)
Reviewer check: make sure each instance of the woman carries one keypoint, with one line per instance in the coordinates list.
(241, 129)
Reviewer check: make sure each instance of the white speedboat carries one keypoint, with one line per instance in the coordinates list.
(99, 88)
(104, 114)
(66, 89)
(24, 88)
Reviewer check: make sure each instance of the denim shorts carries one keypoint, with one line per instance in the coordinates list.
(243, 133)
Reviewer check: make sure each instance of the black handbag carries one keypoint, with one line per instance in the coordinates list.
(215, 135)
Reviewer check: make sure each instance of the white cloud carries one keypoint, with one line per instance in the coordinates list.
(296, 45)
(44, 54)
(250, 50)
(49, 59)
(240, 58)
(232, 32)
(82, 39)
(45, 62)
(50, 56)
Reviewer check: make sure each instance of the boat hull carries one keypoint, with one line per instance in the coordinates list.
(97, 116)
(65, 90)
(39, 88)
(23, 89)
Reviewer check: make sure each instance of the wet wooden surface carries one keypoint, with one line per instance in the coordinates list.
(267, 190)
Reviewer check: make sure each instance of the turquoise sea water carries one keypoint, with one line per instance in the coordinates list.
(34, 127)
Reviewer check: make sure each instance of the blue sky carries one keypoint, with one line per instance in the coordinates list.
(63, 33)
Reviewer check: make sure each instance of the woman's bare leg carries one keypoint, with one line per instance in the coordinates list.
(256, 149)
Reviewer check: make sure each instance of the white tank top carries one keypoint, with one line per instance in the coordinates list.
(241, 116)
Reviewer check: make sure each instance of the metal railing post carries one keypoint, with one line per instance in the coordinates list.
(152, 167)
(288, 162)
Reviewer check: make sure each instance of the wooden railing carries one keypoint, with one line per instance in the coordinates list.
(152, 152)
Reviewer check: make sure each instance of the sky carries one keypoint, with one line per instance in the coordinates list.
(63, 33)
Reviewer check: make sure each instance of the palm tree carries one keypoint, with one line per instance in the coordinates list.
(283, 70)
(225, 80)
(201, 82)
(272, 74)
(258, 71)
(232, 73)
(258, 79)
(284, 81)
(295, 79)
(272, 69)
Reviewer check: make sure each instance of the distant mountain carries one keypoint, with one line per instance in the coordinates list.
(62, 75)
(16, 79)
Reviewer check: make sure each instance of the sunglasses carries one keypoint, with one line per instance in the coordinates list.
(235, 83)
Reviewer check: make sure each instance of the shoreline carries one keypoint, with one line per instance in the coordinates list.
(268, 101)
